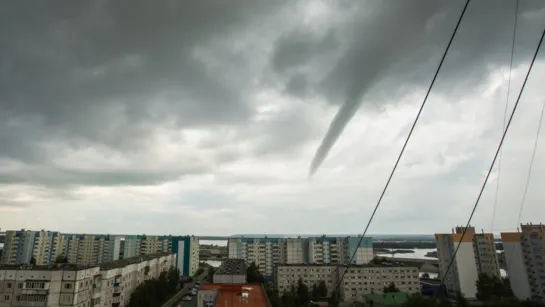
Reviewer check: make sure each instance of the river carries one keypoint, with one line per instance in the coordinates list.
(420, 253)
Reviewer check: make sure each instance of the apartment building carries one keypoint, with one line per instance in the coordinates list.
(267, 252)
(476, 255)
(525, 260)
(21, 246)
(108, 285)
(91, 249)
(186, 249)
(358, 280)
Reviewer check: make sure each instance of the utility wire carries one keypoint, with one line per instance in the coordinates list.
(405, 144)
(505, 112)
(495, 157)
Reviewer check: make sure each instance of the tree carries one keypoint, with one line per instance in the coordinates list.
(391, 288)
(322, 289)
(32, 261)
(302, 293)
(315, 294)
(210, 275)
(461, 300)
(416, 300)
(334, 299)
(492, 288)
(253, 275)
(173, 279)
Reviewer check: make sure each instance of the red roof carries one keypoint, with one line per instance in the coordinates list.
(230, 295)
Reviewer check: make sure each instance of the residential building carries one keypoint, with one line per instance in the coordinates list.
(525, 255)
(231, 271)
(186, 249)
(107, 285)
(476, 255)
(358, 280)
(22, 245)
(89, 249)
(269, 251)
(231, 295)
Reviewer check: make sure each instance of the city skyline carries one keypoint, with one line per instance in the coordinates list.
(166, 124)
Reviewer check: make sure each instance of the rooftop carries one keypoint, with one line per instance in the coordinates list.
(128, 261)
(232, 267)
(369, 265)
(230, 295)
(50, 267)
(76, 267)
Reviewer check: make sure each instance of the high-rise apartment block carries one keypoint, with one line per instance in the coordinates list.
(476, 255)
(267, 252)
(90, 249)
(525, 260)
(107, 285)
(358, 280)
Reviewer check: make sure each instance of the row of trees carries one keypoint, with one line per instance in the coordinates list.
(155, 292)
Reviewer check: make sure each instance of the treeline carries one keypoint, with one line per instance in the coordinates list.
(156, 292)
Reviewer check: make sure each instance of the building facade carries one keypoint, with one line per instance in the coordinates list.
(476, 255)
(91, 249)
(108, 285)
(525, 261)
(21, 246)
(267, 252)
(358, 280)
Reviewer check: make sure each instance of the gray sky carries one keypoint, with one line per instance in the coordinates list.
(203, 117)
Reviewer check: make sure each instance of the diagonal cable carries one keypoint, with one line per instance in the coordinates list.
(494, 160)
(505, 113)
(405, 144)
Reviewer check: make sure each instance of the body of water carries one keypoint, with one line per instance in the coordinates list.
(420, 253)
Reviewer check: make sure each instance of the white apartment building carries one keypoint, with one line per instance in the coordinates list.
(525, 260)
(90, 249)
(365, 279)
(22, 245)
(358, 280)
(476, 255)
(267, 252)
(78, 285)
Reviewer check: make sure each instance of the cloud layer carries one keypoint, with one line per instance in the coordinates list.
(171, 117)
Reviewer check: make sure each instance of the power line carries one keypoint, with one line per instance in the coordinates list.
(531, 165)
(505, 111)
(405, 144)
(495, 157)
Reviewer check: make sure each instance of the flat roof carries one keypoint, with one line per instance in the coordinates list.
(50, 267)
(232, 267)
(128, 261)
(369, 265)
(230, 295)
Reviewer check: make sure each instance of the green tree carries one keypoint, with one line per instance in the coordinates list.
(391, 288)
(461, 300)
(322, 289)
(61, 259)
(210, 275)
(253, 275)
(173, 279)
(334, 299)
(315, 292)
(302, 293)
(32, 261)
(491, 288)
(273, 296)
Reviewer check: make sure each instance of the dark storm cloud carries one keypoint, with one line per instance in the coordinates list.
(109, 70)
(397, 47)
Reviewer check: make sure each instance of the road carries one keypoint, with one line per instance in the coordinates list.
(187, 287)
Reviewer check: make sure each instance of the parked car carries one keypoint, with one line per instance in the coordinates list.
(186, 298)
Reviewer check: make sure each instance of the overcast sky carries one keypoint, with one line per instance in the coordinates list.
(202, 117)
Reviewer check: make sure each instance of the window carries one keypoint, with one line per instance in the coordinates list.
(67, 286)
(6, 297)
(9, 285)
